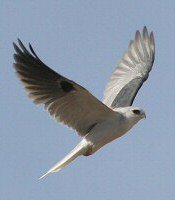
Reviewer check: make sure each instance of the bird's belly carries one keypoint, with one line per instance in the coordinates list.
(103, 134)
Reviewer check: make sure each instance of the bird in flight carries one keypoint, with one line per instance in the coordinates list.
(99, 123)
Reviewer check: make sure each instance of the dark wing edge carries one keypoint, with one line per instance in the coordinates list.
(43, 84)
(65, 100)
(138, 59)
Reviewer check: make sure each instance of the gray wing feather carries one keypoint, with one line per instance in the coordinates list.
(131, 72)
(64, 99)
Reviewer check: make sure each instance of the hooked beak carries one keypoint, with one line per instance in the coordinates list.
(144, 115)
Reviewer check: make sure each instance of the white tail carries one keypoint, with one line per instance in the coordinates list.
(80, 149)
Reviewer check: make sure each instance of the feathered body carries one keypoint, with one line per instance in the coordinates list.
(99, 123)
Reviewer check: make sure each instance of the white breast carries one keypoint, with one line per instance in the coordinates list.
(106, 132)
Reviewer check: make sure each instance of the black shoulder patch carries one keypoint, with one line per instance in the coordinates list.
(66, 86)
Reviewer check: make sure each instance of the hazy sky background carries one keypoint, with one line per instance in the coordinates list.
(84, 41)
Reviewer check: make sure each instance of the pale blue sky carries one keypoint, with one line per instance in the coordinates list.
(84, 40)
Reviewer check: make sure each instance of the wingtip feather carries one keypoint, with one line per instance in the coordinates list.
(145, 29)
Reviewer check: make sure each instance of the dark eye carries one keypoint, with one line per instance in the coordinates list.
(137, 112)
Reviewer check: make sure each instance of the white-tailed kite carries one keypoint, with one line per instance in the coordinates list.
(97, 122)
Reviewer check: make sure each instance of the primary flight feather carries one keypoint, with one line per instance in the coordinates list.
(97, 122)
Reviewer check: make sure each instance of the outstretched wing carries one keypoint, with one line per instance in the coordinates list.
(132, 71)
(65, 100)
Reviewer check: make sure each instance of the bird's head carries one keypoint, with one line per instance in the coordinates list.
(133, 113)
(138, 113)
